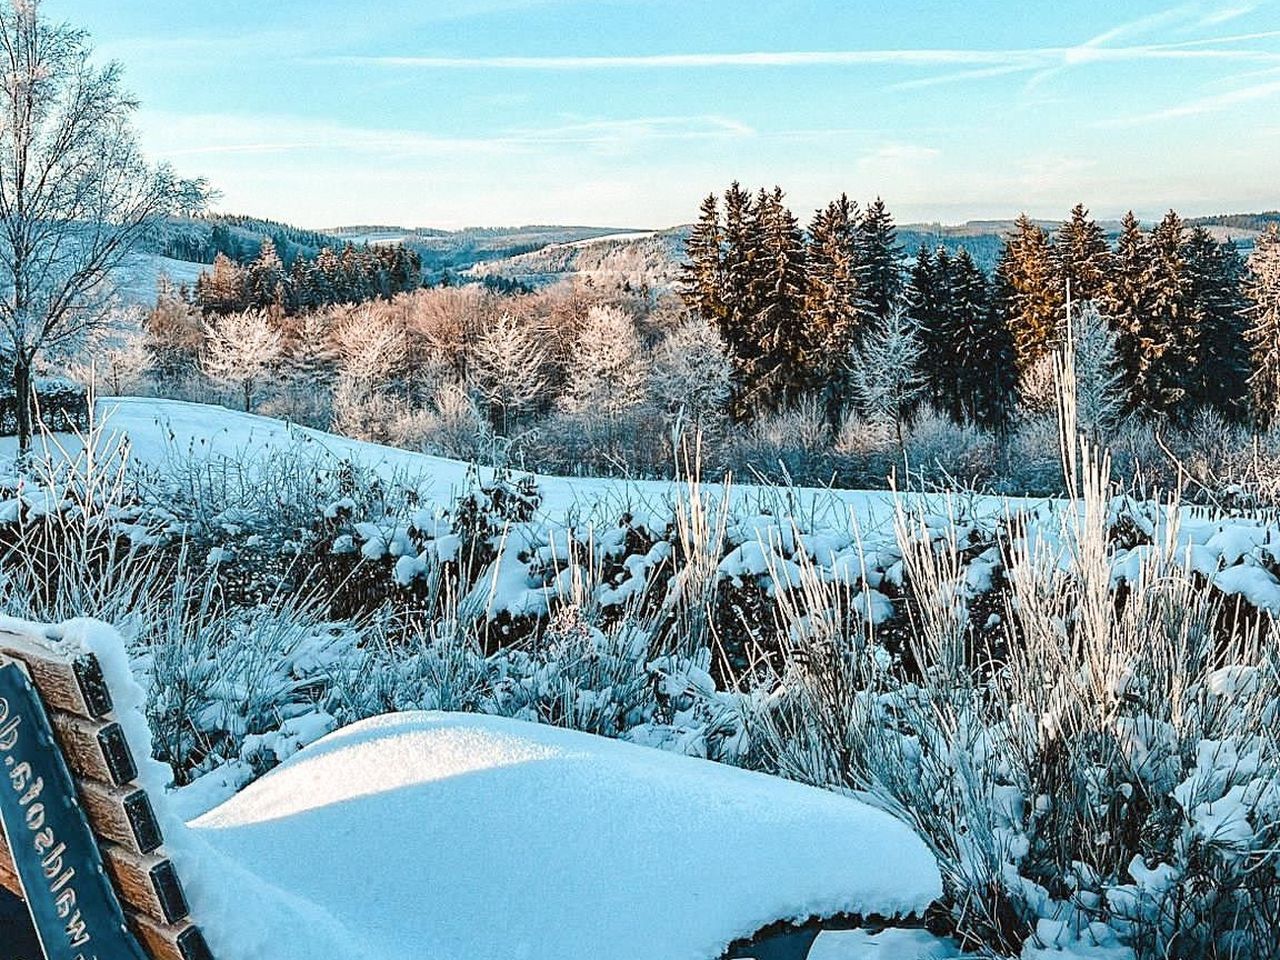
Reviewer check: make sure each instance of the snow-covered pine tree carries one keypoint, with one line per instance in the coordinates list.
(884, 372)
(241, 349)
(1262, 291)
(1081, 256)
(879, 259)
(266, 281)
(508, 367)
(1026, 293)
(1213, 283)
(779, 374)
(835, 312)
(701, 277)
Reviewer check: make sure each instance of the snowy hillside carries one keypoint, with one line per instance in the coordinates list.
(159, 431)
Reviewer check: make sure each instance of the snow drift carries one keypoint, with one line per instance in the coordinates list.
(464, 837)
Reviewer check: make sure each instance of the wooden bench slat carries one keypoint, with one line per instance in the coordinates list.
(169, 941)
(74, 684)
(121, 814)
(148, 884)
(8, 872)
(94, 750)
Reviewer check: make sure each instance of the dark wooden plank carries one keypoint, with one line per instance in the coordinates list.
(182, 941)
(121, 814)
(72, 683)
(94, 750)
(146, 883)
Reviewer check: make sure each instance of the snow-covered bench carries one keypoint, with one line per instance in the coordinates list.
(81, 842)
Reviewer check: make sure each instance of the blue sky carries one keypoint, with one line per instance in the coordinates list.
(626, 112)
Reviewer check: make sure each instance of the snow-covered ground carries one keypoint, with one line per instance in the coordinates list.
(139, 278)
(159, 430)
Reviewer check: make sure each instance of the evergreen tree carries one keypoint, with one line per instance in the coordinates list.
(879, 258)
(266, 280)
(1262, 293)
(1172, 342)
(741, 244)
(221, 290)
(1098, 375)
(777, 375)
(1026, 293)
(1213, 287)
(1126, 303)
(701, 277)
(885, 372)
(1081, 257)
(835, 311)
(981, 352)
(928, 306)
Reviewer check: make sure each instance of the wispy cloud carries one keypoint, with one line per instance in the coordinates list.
(1214, 103)
(174, 135)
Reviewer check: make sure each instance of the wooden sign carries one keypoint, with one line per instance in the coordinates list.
(58, 711)
(52, 848)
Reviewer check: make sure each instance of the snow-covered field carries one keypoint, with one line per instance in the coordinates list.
(159, 430)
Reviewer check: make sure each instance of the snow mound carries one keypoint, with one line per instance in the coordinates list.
(466, 837)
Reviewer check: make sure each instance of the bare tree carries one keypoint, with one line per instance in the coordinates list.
(240, 349)
(509, 368)
(76, 195)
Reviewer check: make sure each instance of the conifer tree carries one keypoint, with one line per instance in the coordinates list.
(1262, 293)
(266, 280)
(928, 305)
(1213, 286)
(835, 311)
(981, 354)
(1081, 257)
(778, 297)
(741, 243)
(701, 278)
(1126, 302)
(1026, 292)
(879, 258)
(885, 373)
(1172, 343)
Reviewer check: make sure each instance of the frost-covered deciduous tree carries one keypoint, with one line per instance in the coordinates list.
(692, 375)
(371, 346)
(115, 354)
(885, 371)
(607, 372)
(1262, 289)
(240, 349)
(1100, 395)
(76, 194)
(508, 369)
